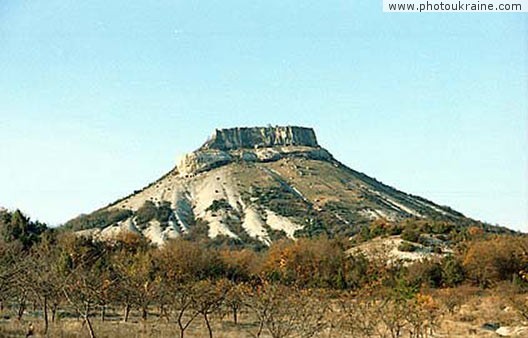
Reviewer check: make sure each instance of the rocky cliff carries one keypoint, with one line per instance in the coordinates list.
(257, 144)
(261, 137)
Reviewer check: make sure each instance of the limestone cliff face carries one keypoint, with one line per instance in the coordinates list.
(199, 161)
(261, 137)
(257, 144)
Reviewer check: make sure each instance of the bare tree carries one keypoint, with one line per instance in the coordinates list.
(356, 315)
(181, 303)
(286, 312)
(207, 299)
(367, 315)
(85, 282)
(44, 279)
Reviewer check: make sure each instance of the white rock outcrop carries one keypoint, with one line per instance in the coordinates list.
(257, 144)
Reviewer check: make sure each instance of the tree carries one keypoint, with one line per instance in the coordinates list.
(17, 228)
(85, 266)
(207, 298)
(318, 262)
(370, 314)
(11, 267)
(181, 302)
(44, 278)
(286, 311)
(180, 274)
(174, 258)
(356, 315)
(498, 258)
(452, 271)
(234, 299)
(137, 281)
(240, 265)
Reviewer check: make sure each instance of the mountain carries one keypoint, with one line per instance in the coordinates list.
(255, 185)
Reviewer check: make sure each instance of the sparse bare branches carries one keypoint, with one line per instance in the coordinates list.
(370, 315)
(286, 312)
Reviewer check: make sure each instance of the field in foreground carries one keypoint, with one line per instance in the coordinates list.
(459, 312)
(445, 280)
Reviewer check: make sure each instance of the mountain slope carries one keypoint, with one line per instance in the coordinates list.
(257, 185)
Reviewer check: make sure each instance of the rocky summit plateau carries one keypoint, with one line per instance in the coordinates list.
(257, 185)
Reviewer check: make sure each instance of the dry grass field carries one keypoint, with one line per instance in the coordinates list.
(464, 313)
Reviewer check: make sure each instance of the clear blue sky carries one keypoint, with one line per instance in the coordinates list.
(99, 98)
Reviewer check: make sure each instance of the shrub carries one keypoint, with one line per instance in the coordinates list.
(149, 211)
(491, 260)
(146, 212)
(199, 230)
(426, 273)
(306, 263)
(452, 271)
(410, 235)
(407, 247)
(98, 219)
(221, 204)
(357, 271)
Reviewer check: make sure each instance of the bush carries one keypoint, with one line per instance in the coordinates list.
(98, 219)
(146, 212)
(221, 204)
(500, 258)
(306, 262)
(149, 211)
(357, 271)
(427, 273)
(452, 271)
(410, 235)
(197, 231)
(407, 247)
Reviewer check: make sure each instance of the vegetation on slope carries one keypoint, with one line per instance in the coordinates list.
(98, 219)
(298, 282)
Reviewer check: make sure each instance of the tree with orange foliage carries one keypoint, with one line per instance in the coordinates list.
(318, 262)
(240, 265)
(138, 283)
(499, 258)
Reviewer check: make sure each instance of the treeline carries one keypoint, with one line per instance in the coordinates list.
(289, 288)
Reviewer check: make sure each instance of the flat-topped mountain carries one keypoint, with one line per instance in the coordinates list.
(255, 185)
(261, 137)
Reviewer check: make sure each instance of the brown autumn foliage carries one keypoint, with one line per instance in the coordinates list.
(240, 265)
(306, 262)
(499, 258)
(292, 289)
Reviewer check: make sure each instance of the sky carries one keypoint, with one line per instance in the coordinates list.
(99, 98)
